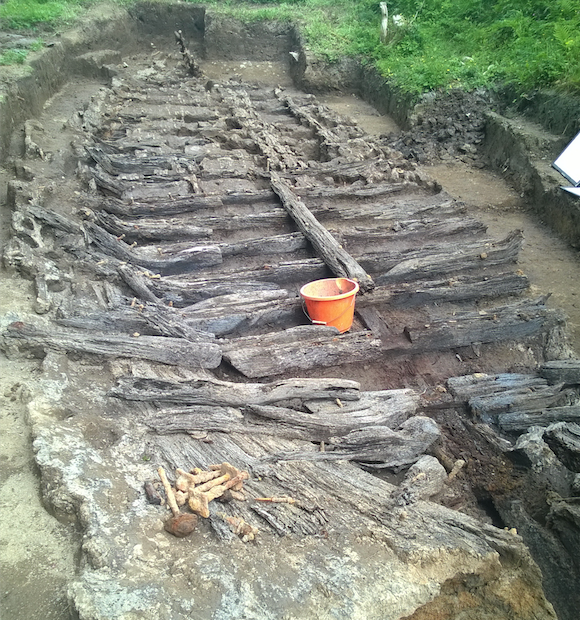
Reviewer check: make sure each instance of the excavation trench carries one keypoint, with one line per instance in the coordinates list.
(152, 318)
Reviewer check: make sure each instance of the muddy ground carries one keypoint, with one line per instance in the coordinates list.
(38, 553)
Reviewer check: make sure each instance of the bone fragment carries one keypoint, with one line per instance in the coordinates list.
(456, 469)
(276, 500)
(202, 488)
(241, 528)
(171, 502)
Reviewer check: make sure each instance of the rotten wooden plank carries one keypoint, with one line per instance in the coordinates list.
(521, 421)
(173, 351)
(419, 264)
(150, 229)
(562, 371)
(214, 392)
(193, 257)
(293, 350)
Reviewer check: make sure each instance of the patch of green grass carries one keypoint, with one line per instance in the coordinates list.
(28, 14)
(437, 44)
(13, 57)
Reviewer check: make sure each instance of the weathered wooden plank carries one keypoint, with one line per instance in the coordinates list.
(242, 312)
(159, 207)
(150, 229)
(512, 322)
(459, 288)
(151, 166)
(398, 405)
(137, 282)
(400, 233)
(295, 349)
(194, 257)
(425, 264)
(150, 112)
(479, 384)
(336, 422)
(521, 421)
(173, 351)
(564, 441)
(135, 190)
(186, 290)
(562, 371)
(214, 392)
(325, 245)
(255, 357)
(389, 410)
(150, 319)
(376, 446)
(519, 399)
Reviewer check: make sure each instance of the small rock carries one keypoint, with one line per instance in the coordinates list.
(181, 525)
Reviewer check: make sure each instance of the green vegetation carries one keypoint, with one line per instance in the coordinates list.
(30, 14)
(430, 45)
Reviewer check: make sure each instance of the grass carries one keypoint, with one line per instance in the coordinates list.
(30, 14)
(438, 44)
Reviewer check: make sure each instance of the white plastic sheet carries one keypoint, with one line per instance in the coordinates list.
(568, 162)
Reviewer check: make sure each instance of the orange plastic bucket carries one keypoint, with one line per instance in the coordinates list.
(330, 302)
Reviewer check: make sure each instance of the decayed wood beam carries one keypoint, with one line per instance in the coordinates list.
(295, 350)
(147, 319)
(164, 168)
(211, 391)
(173, 351)
(150, 229)
(564, 441)
(326, 246)
(378, 446)
(158, 207)
(414, 230)
(562, 371)
(194, 257)
(286, 422)
(426, 263)
(184, 290)
(512, 322)
(521, 421)
(480, 384)
(519, 399)
(137, 282)
(456, 289)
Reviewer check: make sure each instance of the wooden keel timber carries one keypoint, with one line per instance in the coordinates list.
(326, 246)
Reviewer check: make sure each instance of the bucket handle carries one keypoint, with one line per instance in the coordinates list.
(314, 321)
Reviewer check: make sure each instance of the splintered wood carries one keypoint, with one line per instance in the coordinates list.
(197, 489)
